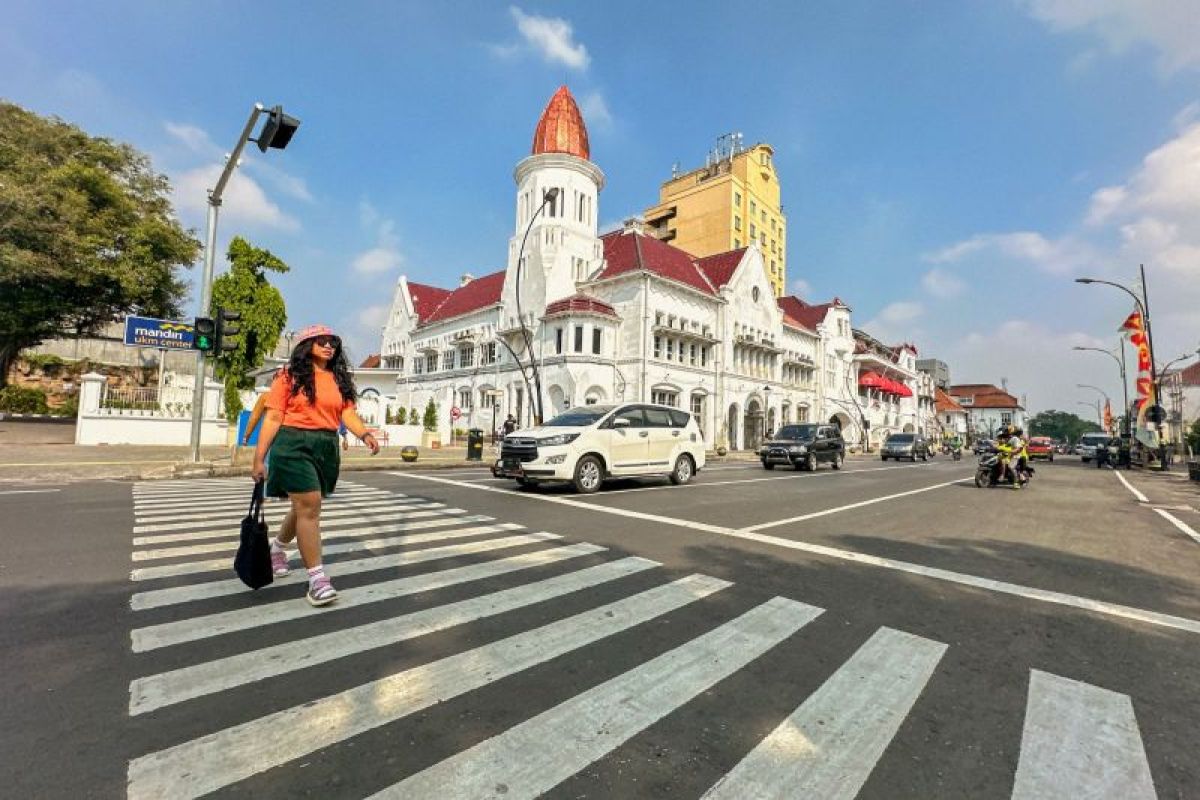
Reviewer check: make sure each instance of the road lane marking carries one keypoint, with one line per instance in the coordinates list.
(187, 522)
(860, 504)
(210, 762)
(224, 563)
(1141, 497)
(29, 491)
(156, 598)
(166, 634)
(1178, 523)
(700, 484)
(1080, 741)
(166, 688)
(533, 757)
(163, 508)
(828, 746)
(240, 494)
(230, 544)
(1002, 587)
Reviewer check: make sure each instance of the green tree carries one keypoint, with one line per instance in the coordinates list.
(245, 289)
(1062, 425)
(87, 234)
(1193, 438)
(401, 416)
(431, 419)
(412, 416)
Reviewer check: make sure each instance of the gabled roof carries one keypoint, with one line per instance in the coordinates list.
(581, 304)
(719, 268)
(984, 395)
(370, 362)
(629, 251)
(479, 293)
(945, 404)
(426, 299)
(808, 316)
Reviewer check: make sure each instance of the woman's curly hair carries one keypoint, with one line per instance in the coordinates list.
(303, 376)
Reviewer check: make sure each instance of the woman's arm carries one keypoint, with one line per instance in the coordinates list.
(260, 406)
(270, 427)
(355, 425)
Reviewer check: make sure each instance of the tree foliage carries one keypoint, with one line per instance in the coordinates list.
(1193, 438)
(246, 290)
(87, 234)
(1061, 425)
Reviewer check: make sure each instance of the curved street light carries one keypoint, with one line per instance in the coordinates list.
(1095, 407)
(547, 197)
(1124, 382)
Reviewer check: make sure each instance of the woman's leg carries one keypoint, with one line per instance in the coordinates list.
(304, 523)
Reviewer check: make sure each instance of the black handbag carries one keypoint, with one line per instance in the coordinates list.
(253, 560)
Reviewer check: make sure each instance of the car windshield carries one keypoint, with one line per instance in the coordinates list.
(797, 432)
(1094, 438)
(900, 438)
(579, 417)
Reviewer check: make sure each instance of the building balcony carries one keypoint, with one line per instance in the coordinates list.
(685, 334)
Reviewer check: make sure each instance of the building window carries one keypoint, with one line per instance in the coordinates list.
(431, 362)
(754, 294)
(489, 353)
(465, 399)
(551, 206)
(670, 349)
(664, 398)
(578, 338)
(418, 366)
(466, 356)
(658, 347)
(753, 231)
(737, 244)
(737, 199)
(737, 222)
(698, 407)
(704, 356)
(1005, 418)
(802, 414)
(753, 208)
(692, 355)
(558, 337)
(763, 215)
(596, 335)
(772, 223)
(772, 266)
(448, 359)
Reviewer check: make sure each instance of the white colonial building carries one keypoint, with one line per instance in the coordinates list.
(625, 317)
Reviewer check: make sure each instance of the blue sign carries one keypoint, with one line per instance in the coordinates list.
(163, 334)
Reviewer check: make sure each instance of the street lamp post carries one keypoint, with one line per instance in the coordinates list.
(547, 197)
(1102, 394)
(1095, 407)
(1143, 304)
(276, 133)
(1124, 383)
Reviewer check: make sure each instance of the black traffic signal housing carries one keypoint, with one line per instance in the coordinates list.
(225, 331)
(278, 130)
(204, 334)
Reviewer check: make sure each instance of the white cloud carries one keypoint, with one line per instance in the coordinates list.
(363, 332)
(1057, 256)
(897, 322)
(197, 142)
(552, 37)
(595, 110)
(1172, 27)
(244, 201)
(1167, 184)
(385, 255)
(194, 138)
(901, 311)
(801, 288)
(943, 284)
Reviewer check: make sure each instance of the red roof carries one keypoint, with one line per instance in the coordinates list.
(944, 403)
(581, 304)
(426, 298)
(719, 268)
(561, 128)
(807, 315)
(985, 395)
(1190, 375)
(370, 362)
(629, 251)
(479, 293)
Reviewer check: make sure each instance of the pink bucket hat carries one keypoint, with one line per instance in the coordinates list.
(312, 332)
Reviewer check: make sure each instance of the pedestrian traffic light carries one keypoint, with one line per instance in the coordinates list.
(204, 332)
(224, 341)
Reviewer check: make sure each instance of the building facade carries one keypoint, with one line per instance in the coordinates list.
(988, 407)
(730, 203)
(627, 317)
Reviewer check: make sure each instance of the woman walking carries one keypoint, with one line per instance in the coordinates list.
(309, 399)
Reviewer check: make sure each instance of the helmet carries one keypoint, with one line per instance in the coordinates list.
(1018, 432)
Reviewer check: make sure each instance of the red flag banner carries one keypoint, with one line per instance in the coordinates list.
(1132, 323)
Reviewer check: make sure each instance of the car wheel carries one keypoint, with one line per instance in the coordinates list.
(838, 458)
(1085, 460)
(768, 465)
(1051, 459)
(810, 463)
(588, 475)
(684, 470)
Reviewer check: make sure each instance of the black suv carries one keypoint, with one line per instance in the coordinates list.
(804, 446)
(905, 445)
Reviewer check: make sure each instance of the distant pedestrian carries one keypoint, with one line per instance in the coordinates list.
(308, 401)
(510, 424)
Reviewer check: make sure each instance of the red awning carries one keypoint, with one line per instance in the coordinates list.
(872, 380)
(902, 390)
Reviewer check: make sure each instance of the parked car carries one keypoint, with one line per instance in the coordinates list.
(587, 445)
(1040, 447)
(804, 447)
(1086, 446)
(983, 446)
(905, 445)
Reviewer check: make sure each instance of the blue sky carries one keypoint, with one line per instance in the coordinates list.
(947, 167)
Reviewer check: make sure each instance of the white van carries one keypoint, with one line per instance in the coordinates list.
(589, 444)
(1086, 447)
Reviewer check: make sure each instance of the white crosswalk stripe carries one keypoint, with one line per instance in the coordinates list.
(1078, 740)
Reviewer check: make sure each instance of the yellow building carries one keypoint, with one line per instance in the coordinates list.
(731, 202)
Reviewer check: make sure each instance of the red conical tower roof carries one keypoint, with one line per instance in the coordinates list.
(561, 128)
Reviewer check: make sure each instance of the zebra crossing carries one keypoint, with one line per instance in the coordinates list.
(199, 637)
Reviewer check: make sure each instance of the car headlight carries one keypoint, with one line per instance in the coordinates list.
(557, 459)
(559, 440)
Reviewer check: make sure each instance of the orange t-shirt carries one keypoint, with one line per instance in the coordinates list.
(325, 414)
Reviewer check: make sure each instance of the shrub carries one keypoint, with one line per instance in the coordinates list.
(1193, 438)
(413, 418)
(23, 400)
(401, 416)
(431, 419)
(69, 408)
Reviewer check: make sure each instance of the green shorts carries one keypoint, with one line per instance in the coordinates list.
(303, 461)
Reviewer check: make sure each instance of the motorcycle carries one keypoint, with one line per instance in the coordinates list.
(987, 472)
(956, 453)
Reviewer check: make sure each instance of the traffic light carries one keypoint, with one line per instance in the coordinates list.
(204, 332)
(225, 331)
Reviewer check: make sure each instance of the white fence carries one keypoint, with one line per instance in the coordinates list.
(109, 415)
(173, 402)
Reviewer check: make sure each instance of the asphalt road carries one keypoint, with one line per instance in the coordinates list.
(884, 631)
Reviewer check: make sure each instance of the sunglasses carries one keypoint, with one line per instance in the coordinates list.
(328, 341)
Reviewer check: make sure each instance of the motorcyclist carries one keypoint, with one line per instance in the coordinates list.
(1022, 462)
(1009, 447)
